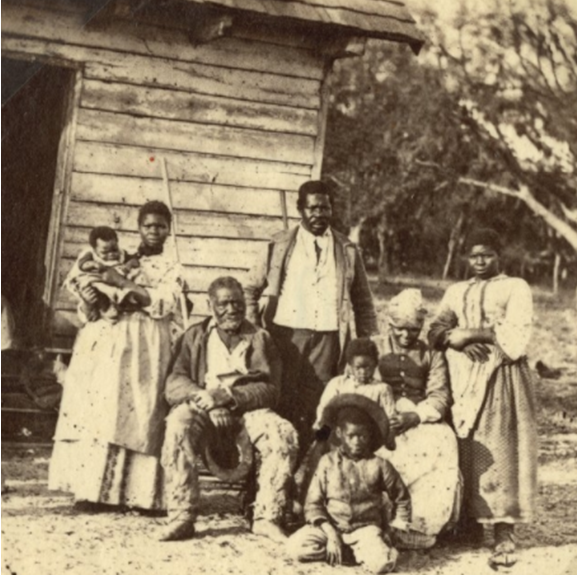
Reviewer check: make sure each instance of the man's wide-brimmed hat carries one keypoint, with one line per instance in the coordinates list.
(381, 433)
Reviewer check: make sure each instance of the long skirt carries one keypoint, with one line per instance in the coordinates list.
(426, 457)
(111, 423)
(107, 474)
(499, 458)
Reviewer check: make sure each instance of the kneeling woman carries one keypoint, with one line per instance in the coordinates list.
(111, 424)
(426, 456)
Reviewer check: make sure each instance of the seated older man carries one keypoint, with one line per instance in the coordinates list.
(226, 373)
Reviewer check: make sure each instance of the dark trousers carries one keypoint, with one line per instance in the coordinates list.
(309, 359)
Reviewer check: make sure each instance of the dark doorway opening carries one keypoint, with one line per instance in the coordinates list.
(34, 108)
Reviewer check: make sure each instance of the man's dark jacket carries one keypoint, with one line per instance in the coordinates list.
(355, 301)
(259, 388)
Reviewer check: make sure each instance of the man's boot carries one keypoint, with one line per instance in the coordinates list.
(180, 526)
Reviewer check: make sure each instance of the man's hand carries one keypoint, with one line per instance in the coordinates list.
(404, 421)
(210, 399)
(334, 544)
(477, 352)
(204, 400)
(221, 418)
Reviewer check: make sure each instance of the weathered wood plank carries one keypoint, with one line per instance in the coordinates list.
(198, 278)
(199, 300)
(383, 8)
(115, 128)
(65, 325)
(178, 105)
(227, 253)
(139, 38)
(202, 79)
(158, 72)
(105, 189)
(96, 157)
(188, 224)
(397, 21)
(65, 6)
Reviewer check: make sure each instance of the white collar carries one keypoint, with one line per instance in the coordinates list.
(310, 237)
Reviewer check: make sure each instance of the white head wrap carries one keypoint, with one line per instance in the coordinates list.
(407, 309)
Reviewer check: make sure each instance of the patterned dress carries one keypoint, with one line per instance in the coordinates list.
(426, 456)
(111, 424)
(494, 407)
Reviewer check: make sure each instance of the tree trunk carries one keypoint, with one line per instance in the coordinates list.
(453, 243)
(355, 231)
(383, 263)
(556, 273)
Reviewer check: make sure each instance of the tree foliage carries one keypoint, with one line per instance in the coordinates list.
(481, 128)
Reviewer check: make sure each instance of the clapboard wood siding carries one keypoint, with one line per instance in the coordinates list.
(189, 224)
(142, 162)
(66, 324)
(123, 37)
(237, 121)
(198, 278)
(109, 127)
(182, 105)
(216, 252)
(103, 189)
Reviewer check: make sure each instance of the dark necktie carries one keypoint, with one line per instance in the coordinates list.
(318, 251)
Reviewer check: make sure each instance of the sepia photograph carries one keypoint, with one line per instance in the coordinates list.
(289, 287)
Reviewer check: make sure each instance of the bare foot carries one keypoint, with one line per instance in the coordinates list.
(504, 555)
(270, 530)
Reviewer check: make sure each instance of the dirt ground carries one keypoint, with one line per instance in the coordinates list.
(42, 534)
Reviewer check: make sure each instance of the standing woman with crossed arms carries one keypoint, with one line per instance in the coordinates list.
(484, 326)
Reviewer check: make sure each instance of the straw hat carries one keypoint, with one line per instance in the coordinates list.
(381, 434)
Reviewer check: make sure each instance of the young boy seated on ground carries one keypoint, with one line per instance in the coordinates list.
(345, 510)
(91, 267)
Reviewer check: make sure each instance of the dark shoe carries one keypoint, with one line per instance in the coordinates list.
(86, 507)
(468, 532)
(148, 513)
(179, 528)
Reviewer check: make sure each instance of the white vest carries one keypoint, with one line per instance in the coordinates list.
(309, 295)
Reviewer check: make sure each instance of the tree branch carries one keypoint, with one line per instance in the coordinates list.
(539, 209)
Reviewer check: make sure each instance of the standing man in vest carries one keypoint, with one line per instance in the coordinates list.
(311, 284)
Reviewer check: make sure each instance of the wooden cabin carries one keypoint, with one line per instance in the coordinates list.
(97, 95)
(232, 94)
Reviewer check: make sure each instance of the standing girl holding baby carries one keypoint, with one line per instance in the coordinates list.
(111, 424)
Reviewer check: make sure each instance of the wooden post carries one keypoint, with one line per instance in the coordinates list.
(282, 196)
(61, 195)
(182, 298)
